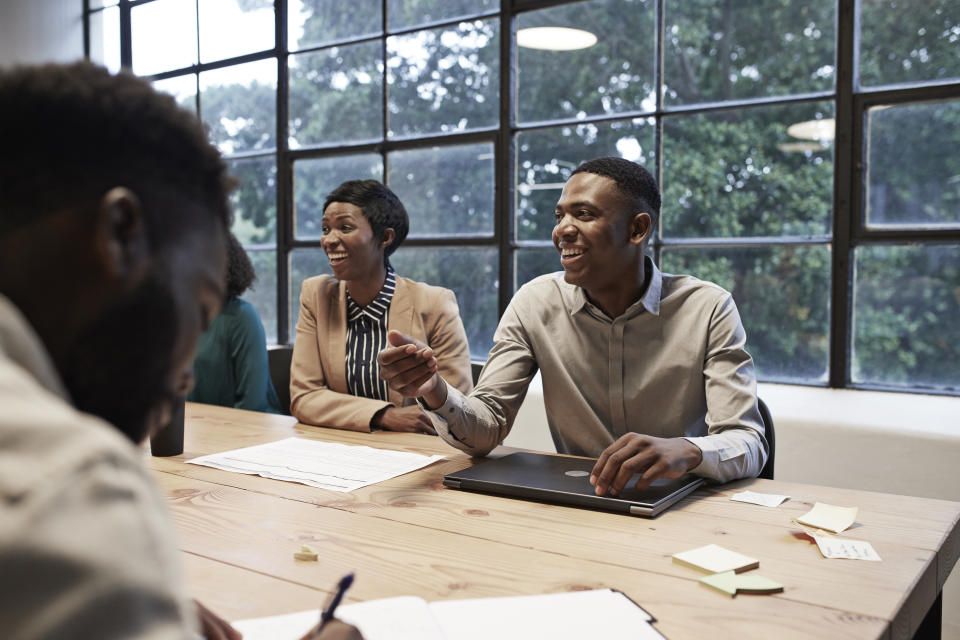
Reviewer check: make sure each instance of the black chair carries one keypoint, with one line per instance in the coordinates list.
(767, 471)
(278, 361)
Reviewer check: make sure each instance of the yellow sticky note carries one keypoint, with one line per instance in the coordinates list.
(716, 559)
(829, 517)
(731, 583)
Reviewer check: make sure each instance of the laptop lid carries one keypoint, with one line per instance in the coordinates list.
(565, 480)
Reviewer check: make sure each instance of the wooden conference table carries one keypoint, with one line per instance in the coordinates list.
(412, 536)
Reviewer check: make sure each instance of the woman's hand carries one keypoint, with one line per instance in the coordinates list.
(411, 419)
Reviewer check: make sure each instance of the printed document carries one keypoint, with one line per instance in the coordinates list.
(327, 465)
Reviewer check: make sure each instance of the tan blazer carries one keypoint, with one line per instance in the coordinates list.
(318, 376)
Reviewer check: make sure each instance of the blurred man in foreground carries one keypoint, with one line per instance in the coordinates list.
(644, 369)
(113, 216)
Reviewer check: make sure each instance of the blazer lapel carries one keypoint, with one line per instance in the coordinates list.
(400, 318)
(337, 338)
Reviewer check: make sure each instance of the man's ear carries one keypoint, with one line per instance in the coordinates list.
(640, 227)
(388, 235)
(120, 235)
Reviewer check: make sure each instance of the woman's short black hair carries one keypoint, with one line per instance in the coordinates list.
(240, 271)
(381, 207)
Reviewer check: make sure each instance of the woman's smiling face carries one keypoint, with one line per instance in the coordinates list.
(354, 254)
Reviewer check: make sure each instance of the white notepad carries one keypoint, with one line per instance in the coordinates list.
(558, 616)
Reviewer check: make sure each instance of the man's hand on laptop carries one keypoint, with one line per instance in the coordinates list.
(410, 368)
(651, 457)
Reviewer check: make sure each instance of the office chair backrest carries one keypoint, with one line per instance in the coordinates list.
(767, 471)
(278, 360)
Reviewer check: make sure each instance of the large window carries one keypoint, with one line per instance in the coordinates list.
(806, 151)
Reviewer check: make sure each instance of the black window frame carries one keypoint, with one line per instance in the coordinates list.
(851, 101)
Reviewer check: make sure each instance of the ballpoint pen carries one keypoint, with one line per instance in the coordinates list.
(327, 614)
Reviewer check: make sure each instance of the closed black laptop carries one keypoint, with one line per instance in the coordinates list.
(565, 480)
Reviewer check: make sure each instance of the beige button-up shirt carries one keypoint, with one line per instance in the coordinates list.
(673, 365)
(86, 545)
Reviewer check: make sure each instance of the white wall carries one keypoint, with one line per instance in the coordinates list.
(33, 31)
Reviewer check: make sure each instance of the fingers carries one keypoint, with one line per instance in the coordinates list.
(629, 455)
(214, 627)
(397, 339)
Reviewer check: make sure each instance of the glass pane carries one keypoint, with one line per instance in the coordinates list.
(908, 41)
(263, 293)
(913, 176)
(612, 75)
(231, 28)
(182, 88)
(749, 172)
(906, 304)
(239, 106)
(546, 157)
(94, 4)
(304, 263)
(254, 201)
(314, 179)
(317, 22)
(471, 273)
(164, 36)
(444, 80)
(445, 190)
(336, 95)
(783, 296)
(105, 38)
(721, 50)
(534, 262)
(411, 13)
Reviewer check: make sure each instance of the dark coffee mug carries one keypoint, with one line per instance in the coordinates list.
(168, 441)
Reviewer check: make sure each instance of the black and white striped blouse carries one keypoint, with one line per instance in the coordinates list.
(366, 337)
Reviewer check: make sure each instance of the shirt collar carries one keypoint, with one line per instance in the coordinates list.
(379, 306)
(22, 345)
(576, 298)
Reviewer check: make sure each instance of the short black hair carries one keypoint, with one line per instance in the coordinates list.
(240, 271)
(72, 132)
(381, 207)
(634, 181)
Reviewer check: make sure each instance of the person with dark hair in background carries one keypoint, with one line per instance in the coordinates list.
(231, 367)
(344, 319)
(646, 370)
(113, 219)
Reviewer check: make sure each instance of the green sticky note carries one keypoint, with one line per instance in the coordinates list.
(730, 583)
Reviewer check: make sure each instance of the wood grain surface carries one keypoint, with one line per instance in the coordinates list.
(412, 536)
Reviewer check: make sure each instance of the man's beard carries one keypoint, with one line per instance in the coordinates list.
(120, 368)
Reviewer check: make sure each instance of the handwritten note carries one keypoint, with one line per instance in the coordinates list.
(327, 465)
(832, 547)
(762, 499)
(829, 517)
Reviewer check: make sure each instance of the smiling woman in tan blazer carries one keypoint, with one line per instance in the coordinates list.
(363, 223)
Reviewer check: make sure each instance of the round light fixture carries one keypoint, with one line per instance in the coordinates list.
(813, 129)
(555, 38)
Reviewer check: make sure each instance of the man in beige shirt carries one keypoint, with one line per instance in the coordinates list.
(646, 370)
(112, 262)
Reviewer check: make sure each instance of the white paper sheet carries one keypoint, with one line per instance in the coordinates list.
(601, 613)
(327, 465)
(762, 499)
(832, 547)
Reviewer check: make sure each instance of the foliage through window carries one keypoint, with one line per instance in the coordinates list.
(807, 167)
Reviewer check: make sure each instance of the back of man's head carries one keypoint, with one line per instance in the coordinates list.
(113, 210)
(71, 132)
(633, 181)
